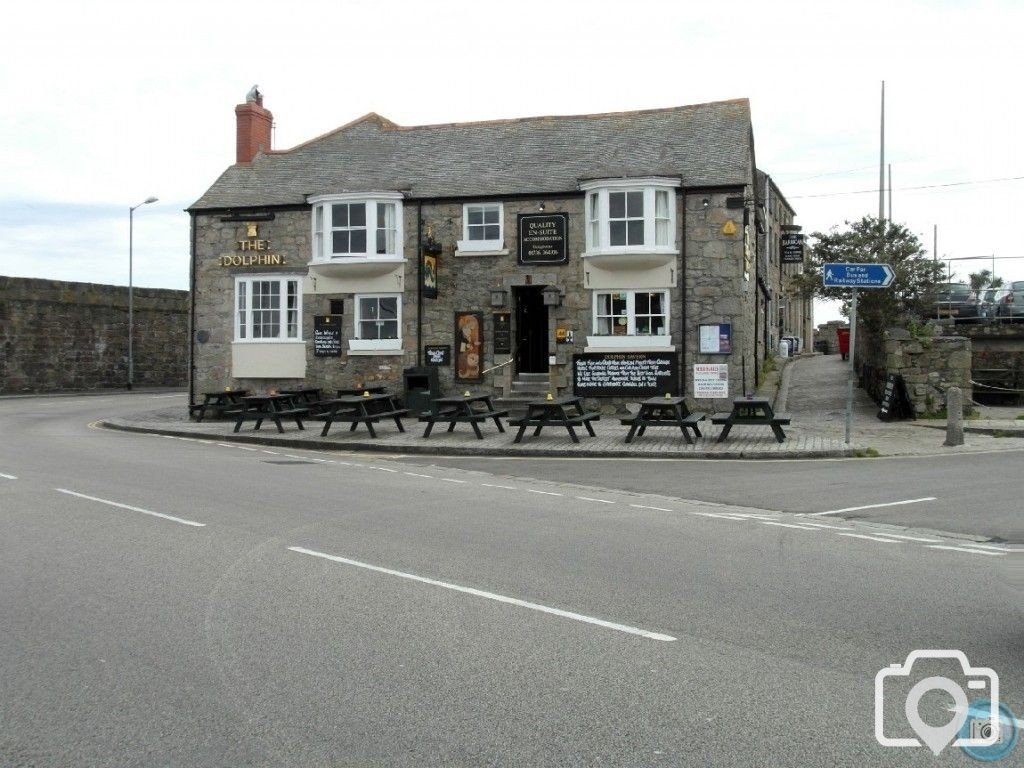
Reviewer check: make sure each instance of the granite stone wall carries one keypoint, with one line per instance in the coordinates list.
(60, 336)
(929, 365)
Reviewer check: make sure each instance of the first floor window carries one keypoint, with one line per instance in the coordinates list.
(267, 308)
(631, 313)
(482, 227)
(630, 215)
(378, 317)
(349, 226)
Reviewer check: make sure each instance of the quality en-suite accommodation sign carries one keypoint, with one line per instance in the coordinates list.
(252, 251)
(543, 238)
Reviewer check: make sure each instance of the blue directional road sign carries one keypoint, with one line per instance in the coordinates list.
(857, 275)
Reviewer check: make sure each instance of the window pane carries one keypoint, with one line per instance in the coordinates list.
(634, 204)
(617, 233)
(657, 304)
(604, 326)
(658, 325)
(604, 303)
(357, 214)
(643, 326)
(593, 206)
(477, 233)
(636, 232)
(643, 303)
(661, 204)
(475, 215)
(368, 330)
(661, 232)
(358, 242)
(616, 205)
(492, 232)
(339, 215)
(619, 304)
(389, 308)
(490, 216)
(389, 329)
(339, 242)
(368, 309)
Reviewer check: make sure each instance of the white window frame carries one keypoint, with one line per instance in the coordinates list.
(283, 309)
(467, 247)
(375, 346)
(598, 231)
(630, 315)
(323, 227)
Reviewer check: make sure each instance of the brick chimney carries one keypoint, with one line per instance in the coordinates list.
(254, 124)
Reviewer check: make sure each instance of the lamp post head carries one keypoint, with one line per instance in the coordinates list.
(147, 201)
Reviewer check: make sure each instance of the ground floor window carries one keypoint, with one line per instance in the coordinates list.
(267, 309)
(379, 318)
(631, 313)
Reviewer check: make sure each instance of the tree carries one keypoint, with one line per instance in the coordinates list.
(871, 240)
(982, 280)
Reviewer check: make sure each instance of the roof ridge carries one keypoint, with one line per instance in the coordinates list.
(369, 117)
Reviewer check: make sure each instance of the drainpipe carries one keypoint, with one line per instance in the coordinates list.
(682, 293)
(419, 284)
(192, 312)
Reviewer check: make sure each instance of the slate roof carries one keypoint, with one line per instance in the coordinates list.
(705, 144)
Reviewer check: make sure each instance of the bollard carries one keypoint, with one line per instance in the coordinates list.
(954, 417)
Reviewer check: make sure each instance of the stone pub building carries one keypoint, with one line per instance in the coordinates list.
(617, 256)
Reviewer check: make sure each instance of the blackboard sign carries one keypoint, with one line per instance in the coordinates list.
(895, 400)
(327, 336)
(502, 333)
(543, 238)
(439, 355)
(791, 247)
(626, 374)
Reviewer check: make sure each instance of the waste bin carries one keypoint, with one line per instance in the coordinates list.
(784, 348)
(843, 336)
(420, 388)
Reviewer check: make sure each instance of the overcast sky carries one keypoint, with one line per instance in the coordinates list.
(103, 104)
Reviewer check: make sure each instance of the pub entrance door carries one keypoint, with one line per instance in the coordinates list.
(531, 329)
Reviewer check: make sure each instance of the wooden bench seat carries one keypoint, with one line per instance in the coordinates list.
(295, 414)
(578, 420)
(355, 418)
(455, 416)
(776, 422)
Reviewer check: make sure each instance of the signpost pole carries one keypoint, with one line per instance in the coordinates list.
(853, 369)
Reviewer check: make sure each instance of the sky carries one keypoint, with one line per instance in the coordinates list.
(104, 104)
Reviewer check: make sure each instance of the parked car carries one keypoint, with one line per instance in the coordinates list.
(1012, 304)
(991, 299)
(955, 300)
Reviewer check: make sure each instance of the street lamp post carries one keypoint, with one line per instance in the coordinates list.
(131, 304)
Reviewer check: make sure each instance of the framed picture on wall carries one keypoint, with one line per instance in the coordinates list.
(469, 346)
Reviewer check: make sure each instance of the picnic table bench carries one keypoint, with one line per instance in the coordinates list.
(558, 412)
(754, 411)
(365, 409)
(223, 403)
(273, 408)
(664, 412)
(468, 408)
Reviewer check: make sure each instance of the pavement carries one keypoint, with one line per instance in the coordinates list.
(812, 389)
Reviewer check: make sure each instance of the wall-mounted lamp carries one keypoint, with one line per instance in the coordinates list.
(552, 296)
(498, 296)
(706, 203)
(540, 207)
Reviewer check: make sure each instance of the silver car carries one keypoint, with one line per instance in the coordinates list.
(1012, 303)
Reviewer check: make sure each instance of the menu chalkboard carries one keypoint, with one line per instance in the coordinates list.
(895, 400)
(502, 333)
(627, 374)
(327, 336)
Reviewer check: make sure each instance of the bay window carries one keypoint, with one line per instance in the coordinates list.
(630, 216)
(357, 226)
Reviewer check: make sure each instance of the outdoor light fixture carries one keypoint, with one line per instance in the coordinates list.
(552, 296)
(131, 307)
(540, 207)
(498, 296)
(705, 202)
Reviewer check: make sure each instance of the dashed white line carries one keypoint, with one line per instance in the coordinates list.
(968, 550)
(293, 456)
(870, 538)
(503, 487)
(831, 527)
(719, 516)
(656, 509)
(133, 509)
(922, 539)
(491, 596)
(543, 493)
(450, 480)
(385, 469)
(874, 506)
(986, 546)
(7, 477)
(272, 453)
(416, 474)
(588, 498)
(787, 525)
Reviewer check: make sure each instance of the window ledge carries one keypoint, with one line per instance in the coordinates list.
(375, 347)
(347, 266)
(484, 252)
(629, 344)
(632, 259)
(267, 341)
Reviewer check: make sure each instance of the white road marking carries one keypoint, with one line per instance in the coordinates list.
(985, 546)
(599, 501)
(870, 538)
(384, 469)
(656, 509)
(293, 456)
(272, 453)
(718, 516)
(449, 480)
(8, 477)
(243, 448)
(416, 474)
(873, 506)
(830, 527)
(787, 525)
(922, 539)
(490, 596)
(543, 493)
(967, 549)
(503, 487)
(133, 509)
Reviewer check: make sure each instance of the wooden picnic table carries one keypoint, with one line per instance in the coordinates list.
(664, 412)
(558, 412)
(273, 408)
(375, 389)
(221, 402)
(471, 408)
(751, 411)
(362, 409)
